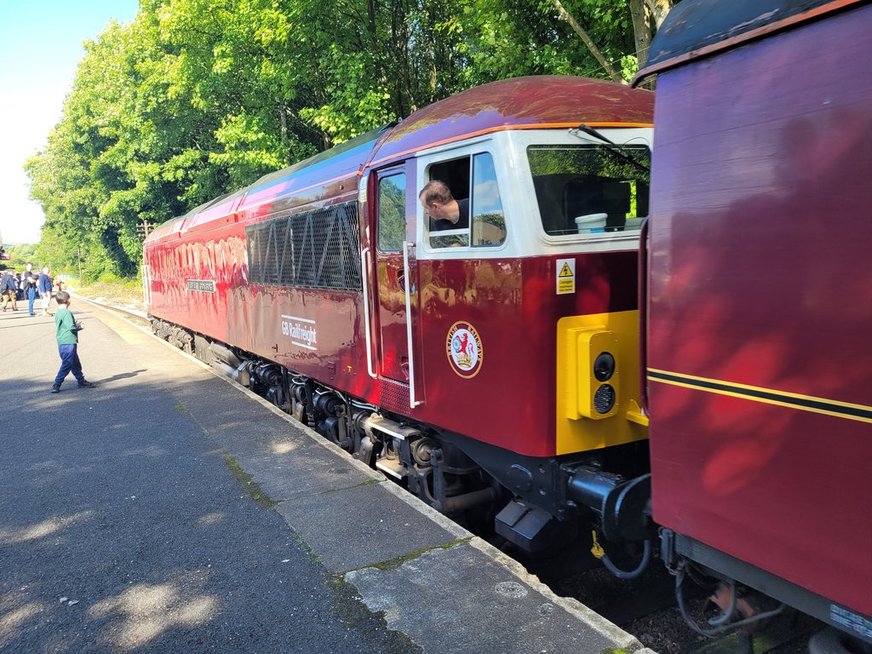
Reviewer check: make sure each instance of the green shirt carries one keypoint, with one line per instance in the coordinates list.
(65, 326)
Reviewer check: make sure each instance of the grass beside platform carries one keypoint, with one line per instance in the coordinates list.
(124, 293)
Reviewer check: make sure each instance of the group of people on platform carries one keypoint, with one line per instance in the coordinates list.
(29, 286)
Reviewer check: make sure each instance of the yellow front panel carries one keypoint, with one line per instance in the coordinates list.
(582, 423)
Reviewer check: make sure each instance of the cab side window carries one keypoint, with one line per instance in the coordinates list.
(488, 222)
(391, 212)
(462, 203)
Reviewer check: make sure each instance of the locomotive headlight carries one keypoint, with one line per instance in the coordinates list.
(604, 398)
(598, 373)
(596, 408)
(604, 367)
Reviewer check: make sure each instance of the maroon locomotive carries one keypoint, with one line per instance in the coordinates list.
(491, 365)
(758, 366)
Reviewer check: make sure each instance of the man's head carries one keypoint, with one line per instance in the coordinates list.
(45, 270)
(62, 297)
(438, 202)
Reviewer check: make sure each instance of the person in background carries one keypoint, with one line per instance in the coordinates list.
(9, 290)
(28, 281)
(67, 333)
(19, 295)
(44, 285)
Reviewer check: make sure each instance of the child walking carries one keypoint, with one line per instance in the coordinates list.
(67, 330)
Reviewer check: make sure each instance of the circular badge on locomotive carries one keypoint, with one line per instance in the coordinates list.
(465, 352)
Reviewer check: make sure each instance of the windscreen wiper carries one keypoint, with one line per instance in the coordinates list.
(611, 146)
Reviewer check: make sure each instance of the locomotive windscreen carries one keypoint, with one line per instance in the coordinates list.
(587, 188)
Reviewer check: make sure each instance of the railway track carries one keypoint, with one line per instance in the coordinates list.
(135, 315)
(646, 607)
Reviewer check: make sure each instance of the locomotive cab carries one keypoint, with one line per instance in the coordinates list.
(516, 328)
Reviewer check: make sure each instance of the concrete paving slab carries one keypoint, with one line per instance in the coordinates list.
(300, 470)
(284, 458)
(361, 526)
(461, 599)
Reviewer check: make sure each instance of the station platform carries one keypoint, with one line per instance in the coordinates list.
(169, 509)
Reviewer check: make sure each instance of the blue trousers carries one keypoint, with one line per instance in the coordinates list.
(69, 362)
(31, 296)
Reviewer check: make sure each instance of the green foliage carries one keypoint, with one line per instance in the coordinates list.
(20, 254)
(115, 290)
(508, 38)
(195, 98)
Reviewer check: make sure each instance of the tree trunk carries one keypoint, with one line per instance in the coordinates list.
(404, 61)
(283, 118)
(431, 59)
(658, 10)
(641, 30)
(565, 15)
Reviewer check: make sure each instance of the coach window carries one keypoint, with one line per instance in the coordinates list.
(472, 183)
(391, 212)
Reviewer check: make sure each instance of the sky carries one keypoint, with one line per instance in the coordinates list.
(40, 48)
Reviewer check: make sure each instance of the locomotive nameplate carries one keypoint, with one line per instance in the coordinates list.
(302, 331)
(201, 285)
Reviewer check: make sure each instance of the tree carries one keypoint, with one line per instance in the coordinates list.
(196, 98)
(582, 34)
(647, 17)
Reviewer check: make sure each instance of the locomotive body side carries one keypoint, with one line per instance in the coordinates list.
(200, 277)
(758, 366)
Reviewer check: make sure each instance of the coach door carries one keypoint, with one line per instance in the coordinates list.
(395, 271)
